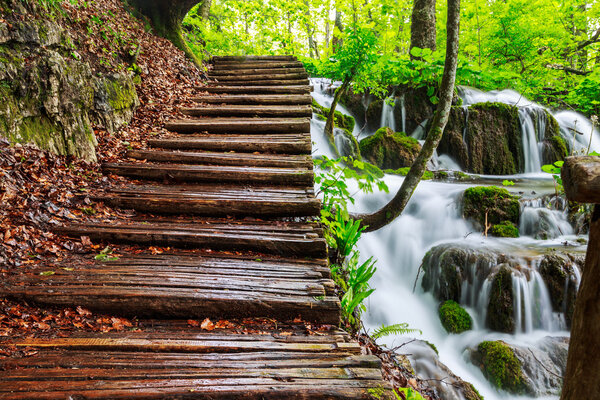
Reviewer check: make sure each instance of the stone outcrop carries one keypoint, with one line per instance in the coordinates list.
(389, 150)
(53, 99)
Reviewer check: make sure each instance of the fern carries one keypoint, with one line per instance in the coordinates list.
(396, 329)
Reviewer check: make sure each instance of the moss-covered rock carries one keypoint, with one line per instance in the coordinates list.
(555, 147)
(454, 318)
(494, 203)
(558, 273)
(373, 115)
(506, 229)
(427, 175)
(342, 139)
(52, 100)
(341, 121)
(355, 104)
(484, 138)
(500, 366)
(390, 150)
(500, 313)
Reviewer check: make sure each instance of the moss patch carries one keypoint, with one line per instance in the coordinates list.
(506, 229)
(454, 318)
(390, 150)
(341, 121)
(501, 367)
(427, 175)
(499, 205)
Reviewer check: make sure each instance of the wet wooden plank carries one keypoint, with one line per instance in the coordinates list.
(256, 65)
(260, 82)
(264, 99)
(240, 125)
(255, 71)
(267, 75)
(207, 173)
(287, 144)
(221, 158)
(253, 58)
(302, 89)
(249, 111)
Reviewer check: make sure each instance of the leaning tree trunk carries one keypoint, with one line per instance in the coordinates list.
(422, 25)
(395, 207)
(166, 17)
(329, 124)
(581, 178)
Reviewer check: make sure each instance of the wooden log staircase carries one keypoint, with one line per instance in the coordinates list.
(235, 177)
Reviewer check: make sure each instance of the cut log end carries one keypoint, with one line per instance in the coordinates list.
(581, 179)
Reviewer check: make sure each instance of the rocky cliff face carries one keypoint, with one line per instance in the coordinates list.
(50, 96)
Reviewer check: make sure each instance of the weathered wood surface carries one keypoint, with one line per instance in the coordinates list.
(256, 65)
(286, 144)
(266, 82)
(265, 99)
(219, 59)
(179, 361)
(265, 76)
(581, 179)
(302, 89)
(285, 239)
(249, 111)
(255, 71)
(240, 125)
(214, 200)
(174, 173)
(299, 161)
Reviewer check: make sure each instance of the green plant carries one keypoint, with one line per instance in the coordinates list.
(353, 278)
(454, 318)
(507, 182)
(555, 170)
(396, 329)
(106, 255)
(407, 394)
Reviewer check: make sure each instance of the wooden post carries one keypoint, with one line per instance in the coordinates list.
(581, 180)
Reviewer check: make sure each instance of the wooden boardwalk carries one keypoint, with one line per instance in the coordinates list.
(236, 177)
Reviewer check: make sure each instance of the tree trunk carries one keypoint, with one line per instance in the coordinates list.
(204, 9)
(395, 207)
(581, 177)
(422, 25)
(336, 41)
(166, 17)
(312, 45)
(329, 124)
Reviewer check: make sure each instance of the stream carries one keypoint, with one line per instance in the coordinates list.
(433, 220)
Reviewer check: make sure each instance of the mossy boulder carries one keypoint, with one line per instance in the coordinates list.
(500, 366)
(559, 275)
(555, 147)
(454, 318)
(373, 115)
(500, 315)
(390, 150)
(494, 204)
(341, 121)
(484, 138)
(355, 104)
(342, 139)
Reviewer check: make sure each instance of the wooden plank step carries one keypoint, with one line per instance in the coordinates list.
(240, 125)
(219, 158)
(265, 76)
(287, 99)
(274, 239)
(255, 71)
(302, 89)
(217, 59)
(221, 66)
(249, 111)
(286, 144)
(206, 173)
(212, 201)
(266, 82)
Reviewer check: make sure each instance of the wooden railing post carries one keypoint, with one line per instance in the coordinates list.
(581, 180)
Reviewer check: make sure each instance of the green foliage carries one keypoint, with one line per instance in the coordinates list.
(454, 318)
(408, 393)
(505, 229)
(555, 170)
(396, 329)
(507, 182)
(501, 366)
(106, 255)
(353, 278)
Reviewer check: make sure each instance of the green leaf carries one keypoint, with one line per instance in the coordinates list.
(47, 273)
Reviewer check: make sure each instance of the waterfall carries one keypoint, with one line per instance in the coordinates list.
(532, 148)
(387, 113)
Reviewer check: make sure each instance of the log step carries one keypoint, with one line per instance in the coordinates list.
(240, 125)
(287, 239)
(222, 66)
(249, 111)
(266, 82)
(261, 77)
(214, 200)
(218, 59)
(220, 364)
(287, 144)
(217, 158)
(302, 89)
(255, 99)
(209, 287)
(207, 173)
(255, 71)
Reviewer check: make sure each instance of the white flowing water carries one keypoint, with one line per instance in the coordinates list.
(433, 217)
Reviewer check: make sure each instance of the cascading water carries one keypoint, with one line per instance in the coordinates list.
(431, 221)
